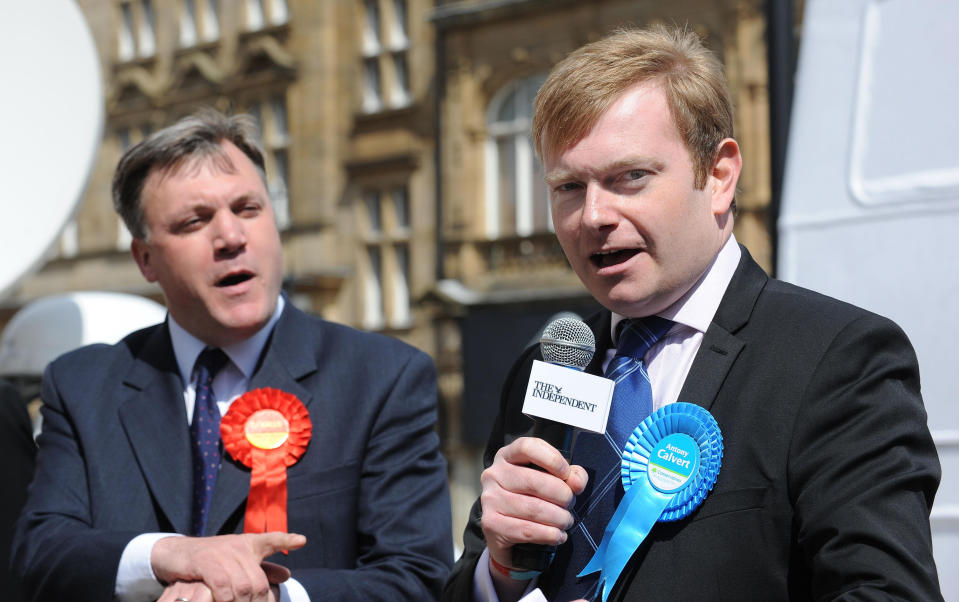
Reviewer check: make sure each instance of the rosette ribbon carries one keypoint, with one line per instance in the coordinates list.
(266, 430)
(670, 464)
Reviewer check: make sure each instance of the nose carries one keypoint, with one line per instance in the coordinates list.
(599, 210)
(229, 233)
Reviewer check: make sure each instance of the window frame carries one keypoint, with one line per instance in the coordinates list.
(384, 51)
(514, 131)
(386, 284)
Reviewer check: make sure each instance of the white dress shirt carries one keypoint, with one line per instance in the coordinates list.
(135, 579)
(667, 362)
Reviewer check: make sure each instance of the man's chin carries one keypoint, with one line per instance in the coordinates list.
(238, 324)
(630, 306)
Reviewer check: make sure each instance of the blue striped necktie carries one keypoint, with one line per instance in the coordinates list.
(205, 434)
(601, 456)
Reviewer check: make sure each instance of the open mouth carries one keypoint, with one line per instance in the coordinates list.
(234, 279)
(610, 258)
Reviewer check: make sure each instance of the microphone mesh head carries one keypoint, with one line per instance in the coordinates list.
(568, 342)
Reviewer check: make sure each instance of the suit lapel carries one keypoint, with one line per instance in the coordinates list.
(154, 418)
(715, 357)
(721, 346)
(286, 359)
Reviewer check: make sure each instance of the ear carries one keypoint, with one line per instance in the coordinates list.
(724, 176)
(140, 249)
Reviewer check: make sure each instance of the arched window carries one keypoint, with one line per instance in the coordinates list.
(517, 202)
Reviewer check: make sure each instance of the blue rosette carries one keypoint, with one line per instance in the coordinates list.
(677, 418)
(670, 464)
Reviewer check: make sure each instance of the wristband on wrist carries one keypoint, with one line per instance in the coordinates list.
(511, 573)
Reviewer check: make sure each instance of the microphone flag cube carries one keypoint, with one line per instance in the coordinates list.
(567, 396)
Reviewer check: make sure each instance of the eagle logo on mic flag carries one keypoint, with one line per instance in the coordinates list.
(266, 430)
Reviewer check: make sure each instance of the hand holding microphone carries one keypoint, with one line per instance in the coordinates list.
(529, 488)
(527, 504)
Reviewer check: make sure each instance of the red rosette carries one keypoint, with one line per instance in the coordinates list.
(266, 430)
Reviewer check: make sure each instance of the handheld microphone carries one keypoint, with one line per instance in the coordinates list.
(566, 342)
(570, 343)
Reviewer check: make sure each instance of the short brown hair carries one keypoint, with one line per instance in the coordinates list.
(198, 136)
(584, 85)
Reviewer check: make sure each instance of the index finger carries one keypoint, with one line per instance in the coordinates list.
(532, 450)
(267, 544)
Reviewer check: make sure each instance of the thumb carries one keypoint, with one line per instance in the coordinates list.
(267, 544)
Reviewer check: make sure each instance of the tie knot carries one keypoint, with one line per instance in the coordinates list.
(211, 360)
(639, 334)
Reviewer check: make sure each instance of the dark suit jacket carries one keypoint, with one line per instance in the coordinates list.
(114, 462)
(17, 451)
(828, 473)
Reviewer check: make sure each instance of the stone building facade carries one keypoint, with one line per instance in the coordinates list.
(398, 158)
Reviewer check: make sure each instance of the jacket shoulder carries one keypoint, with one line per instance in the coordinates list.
(792, 304)
(351, 343)
(102, 356)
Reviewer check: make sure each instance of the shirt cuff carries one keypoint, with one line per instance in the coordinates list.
(292, 591)
(135, 579)
(483, 590)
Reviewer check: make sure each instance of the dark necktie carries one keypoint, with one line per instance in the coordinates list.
(205, 433)
(601, 456)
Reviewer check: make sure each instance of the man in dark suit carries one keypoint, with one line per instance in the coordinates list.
(829, 471)
(18, 452)
(118, 464)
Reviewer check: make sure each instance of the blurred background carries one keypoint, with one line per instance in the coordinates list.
(405, 186)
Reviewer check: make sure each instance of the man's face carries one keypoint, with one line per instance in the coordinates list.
(213, 246)
(626, 211)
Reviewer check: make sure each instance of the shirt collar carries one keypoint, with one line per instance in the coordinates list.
(244, 354)
(697, 307)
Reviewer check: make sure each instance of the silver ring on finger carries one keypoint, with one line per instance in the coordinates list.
(182, 599)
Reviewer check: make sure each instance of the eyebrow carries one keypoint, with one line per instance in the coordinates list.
(633, 162)
(558, 175)
(247, 196)
(199, 205)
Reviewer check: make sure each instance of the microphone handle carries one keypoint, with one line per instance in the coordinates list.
(559, 435)
(537, 557)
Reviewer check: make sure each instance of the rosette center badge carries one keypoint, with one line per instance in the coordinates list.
(673, 462)
(267, 429)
